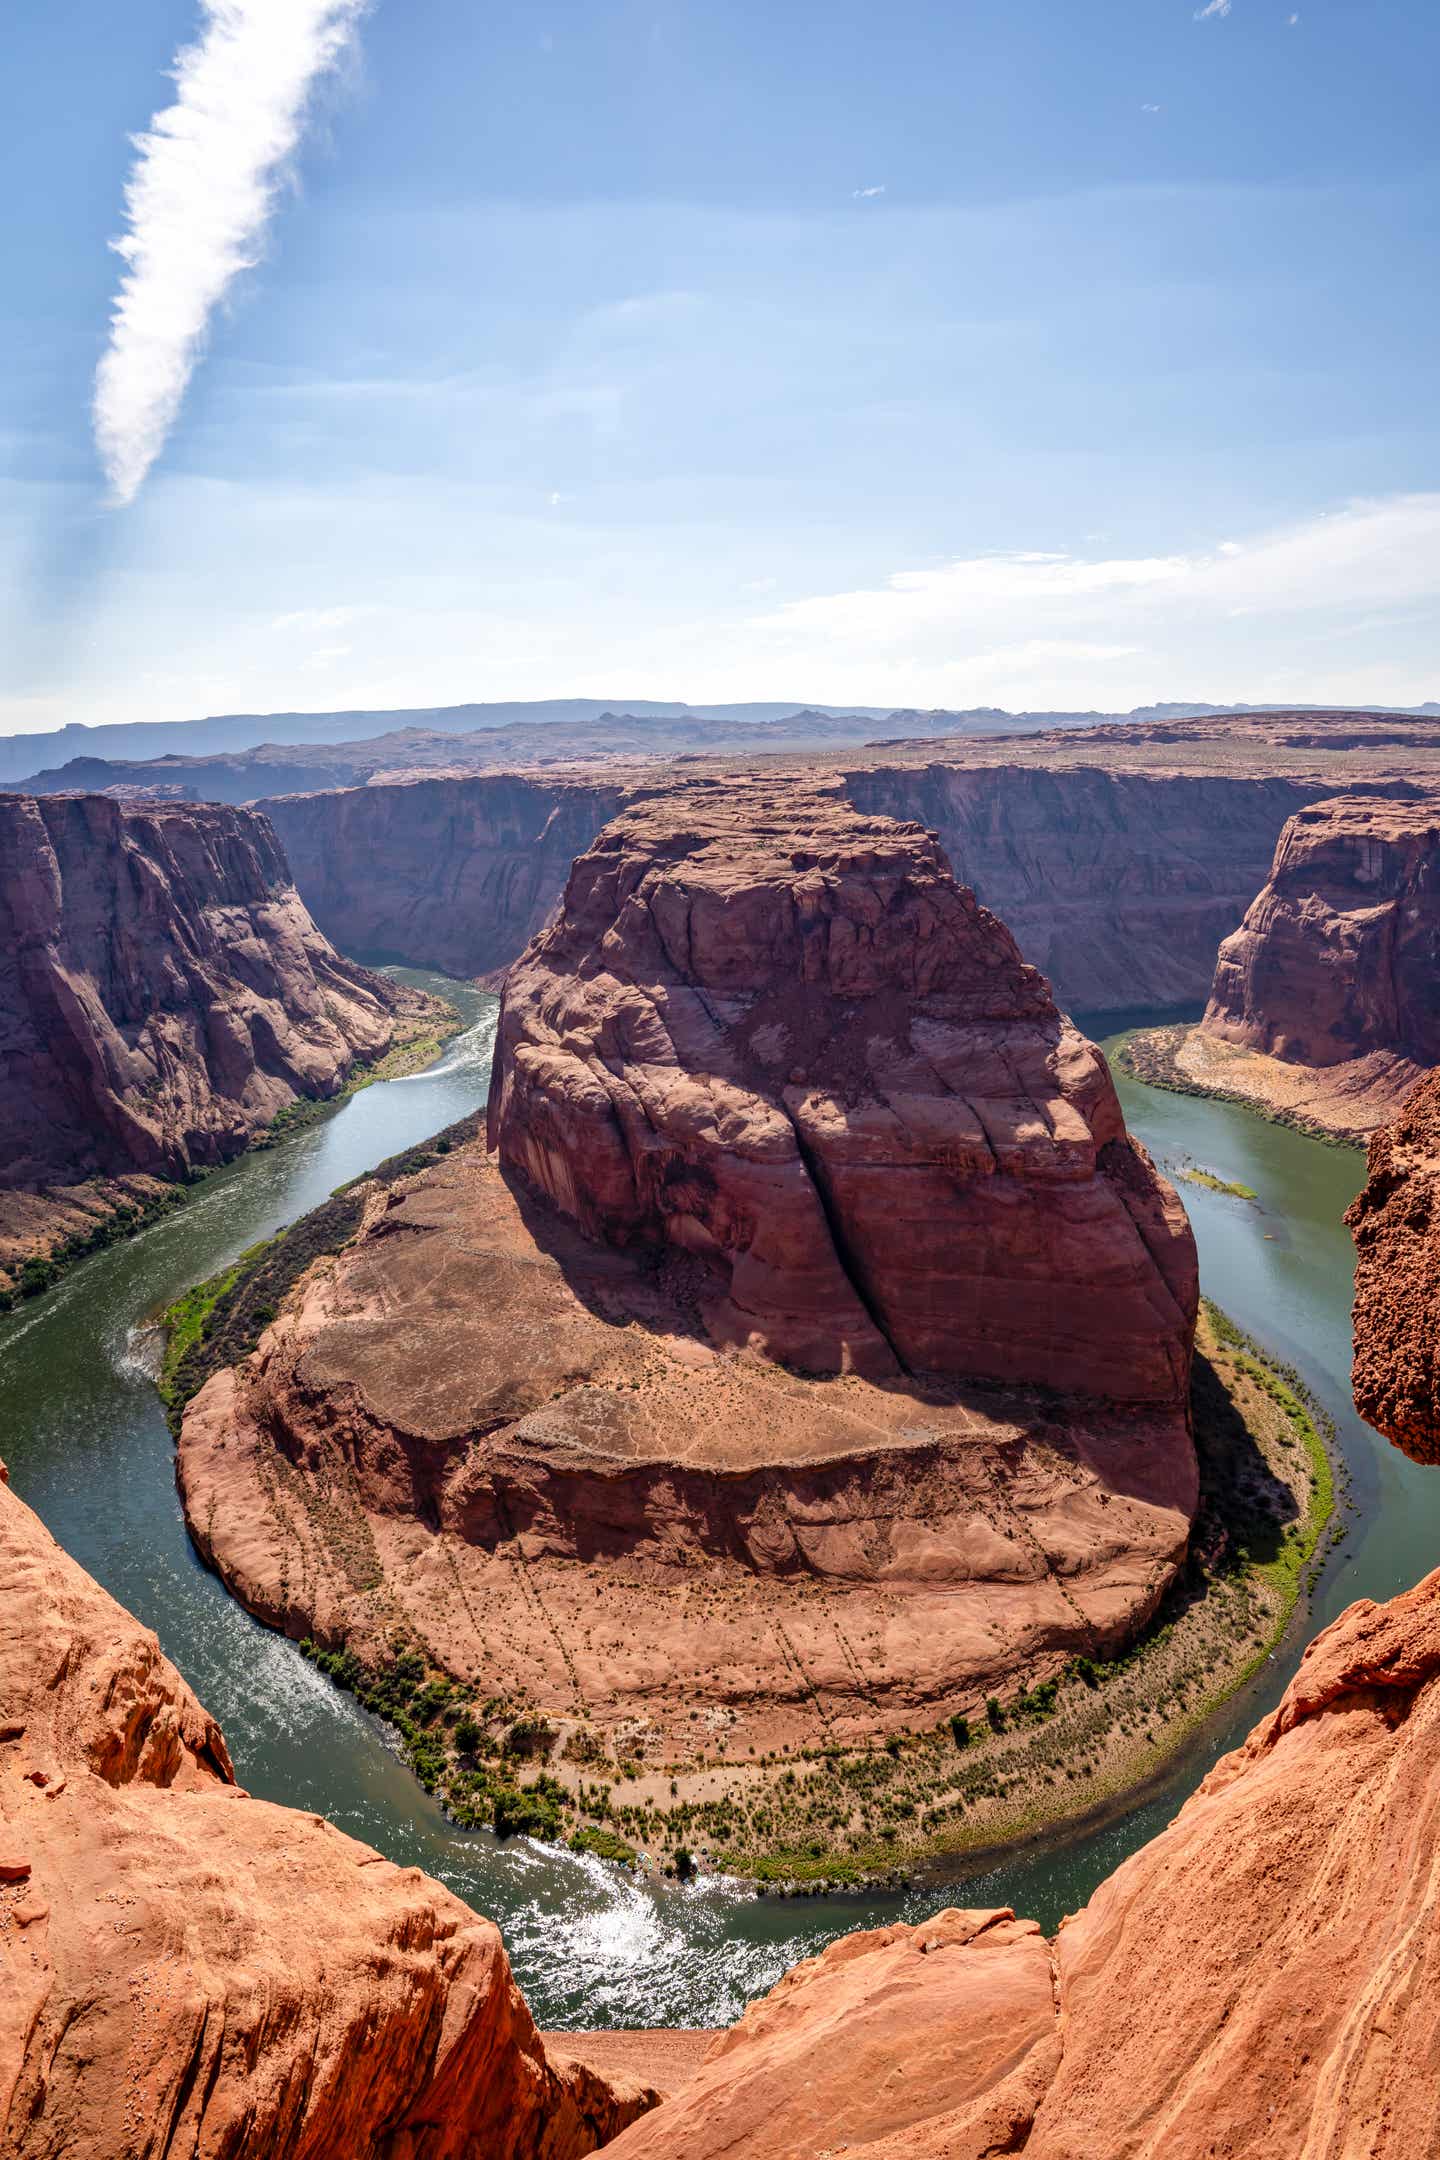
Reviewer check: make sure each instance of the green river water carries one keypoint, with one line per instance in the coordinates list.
(88, 1448)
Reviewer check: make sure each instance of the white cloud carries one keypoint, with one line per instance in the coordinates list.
(333, 618)
(1212, 7)
(867, 194)
(993, 615)
(1150, 108)
(199, 197)
(1292, 20)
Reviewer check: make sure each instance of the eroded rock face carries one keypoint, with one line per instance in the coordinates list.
(456, 874)
(1396, 1226)
(936, 2039)
(1118, 885)
(185, 1969)
(1261, 1978)
(163, 991)
(1336, 966)
(778, 1036)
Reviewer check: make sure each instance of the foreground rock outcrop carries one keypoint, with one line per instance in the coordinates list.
(163, 994)
(808, 1360)
(1396, 1225)
(1261, 1979)
(1326, 1001)
(184, 1969)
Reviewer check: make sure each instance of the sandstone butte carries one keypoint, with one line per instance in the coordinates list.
(1119, 856)
(185, 1970)
(809, 1358)
(1396, 1225)
(163, 993)
(1326, 1001)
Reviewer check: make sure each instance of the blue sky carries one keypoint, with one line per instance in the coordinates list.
(1014, 351)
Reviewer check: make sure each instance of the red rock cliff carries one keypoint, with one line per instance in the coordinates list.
(455, 874)
(779, 1036)
(1396, 1223)
(163, 992)
(1338, 958)
(186, 1970)
(1119, 886)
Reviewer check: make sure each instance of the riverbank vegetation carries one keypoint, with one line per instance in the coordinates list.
(418, 1042)
(1193, 1175)
(1076, 1739)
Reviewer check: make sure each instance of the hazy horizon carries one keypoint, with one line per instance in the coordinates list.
(933, 356)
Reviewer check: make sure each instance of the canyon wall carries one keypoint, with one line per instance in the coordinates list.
(184, 1969)
(163, 993)
(1336, 966)
(1396, 1225)
(1118, 886)
(455, 874)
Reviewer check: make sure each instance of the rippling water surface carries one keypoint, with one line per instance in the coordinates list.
(88, 1447)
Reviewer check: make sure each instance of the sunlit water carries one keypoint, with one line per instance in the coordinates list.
(88, 1447)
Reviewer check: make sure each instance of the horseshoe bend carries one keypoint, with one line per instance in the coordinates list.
(804, 1363)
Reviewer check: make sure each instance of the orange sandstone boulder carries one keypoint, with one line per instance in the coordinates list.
(186, 1970)
(910, 2040)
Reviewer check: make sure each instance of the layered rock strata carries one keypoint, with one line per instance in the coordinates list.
(805, 1401)
(1118, 885)
(1326, 1000)
(1396, 1225)
(456, 874)
(163, 994)
(779, 1038)
(186, 1969)
(1262, 1978)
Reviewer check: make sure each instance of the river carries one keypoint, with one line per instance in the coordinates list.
(88, 1448)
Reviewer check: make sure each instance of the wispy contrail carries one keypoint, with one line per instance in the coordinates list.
(204, 183)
